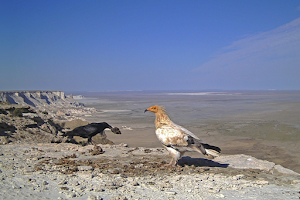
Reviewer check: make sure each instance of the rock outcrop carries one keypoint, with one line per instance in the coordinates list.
(23, 124)
(55, 103)
(37, 98)
(35, 116)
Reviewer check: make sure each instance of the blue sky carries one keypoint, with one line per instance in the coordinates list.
(98, 45)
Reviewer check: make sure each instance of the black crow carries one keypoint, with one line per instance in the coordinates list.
(90, 130)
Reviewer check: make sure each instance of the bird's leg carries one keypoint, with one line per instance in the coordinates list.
(176, 155)
(170, 164)
(90, 141)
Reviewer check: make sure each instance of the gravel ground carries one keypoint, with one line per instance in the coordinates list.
(69, 171)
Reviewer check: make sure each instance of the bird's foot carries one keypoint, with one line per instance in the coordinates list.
(172, 164)
(91, 142)
(167, 165)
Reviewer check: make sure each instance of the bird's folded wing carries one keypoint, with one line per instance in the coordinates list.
(187, 132)
(89, 129)
(170, 136)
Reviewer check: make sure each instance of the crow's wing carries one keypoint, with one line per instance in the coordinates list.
(90, 128)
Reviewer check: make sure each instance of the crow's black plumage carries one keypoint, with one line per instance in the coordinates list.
(90, 130)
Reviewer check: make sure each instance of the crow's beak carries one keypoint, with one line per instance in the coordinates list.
(145, 110)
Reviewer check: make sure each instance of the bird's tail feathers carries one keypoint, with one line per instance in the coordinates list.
(212, 150)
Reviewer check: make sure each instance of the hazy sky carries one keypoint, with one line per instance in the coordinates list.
(105, 45)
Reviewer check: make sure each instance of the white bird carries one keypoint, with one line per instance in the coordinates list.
(176, 139)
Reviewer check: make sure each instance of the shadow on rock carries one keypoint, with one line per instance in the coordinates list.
(4, 127)
(98, 139)
(200, 162)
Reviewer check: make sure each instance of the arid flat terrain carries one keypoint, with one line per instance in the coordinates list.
(67, 171)
(259, 160)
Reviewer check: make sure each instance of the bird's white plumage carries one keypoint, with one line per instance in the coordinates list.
(173, 134)
(169, 135)
(177, 139)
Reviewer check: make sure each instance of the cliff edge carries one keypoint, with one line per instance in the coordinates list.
(36, 98)
(55, 103)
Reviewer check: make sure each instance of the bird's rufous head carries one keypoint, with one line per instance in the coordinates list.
(154, 109)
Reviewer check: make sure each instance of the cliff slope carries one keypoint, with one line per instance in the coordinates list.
(55, 103)
(37, 98)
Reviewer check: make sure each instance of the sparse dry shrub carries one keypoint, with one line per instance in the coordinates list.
(18, 112)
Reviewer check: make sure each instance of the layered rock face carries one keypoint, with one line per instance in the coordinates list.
(55, 103)
(37, 98)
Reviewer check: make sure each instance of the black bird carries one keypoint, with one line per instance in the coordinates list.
(90, 130)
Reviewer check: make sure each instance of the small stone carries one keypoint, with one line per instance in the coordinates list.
(171, 192)
(76, 183)
(92, 197)
(166, 185)
(99, 189)
(151, 183)
(4, 140)
(123, 176)
(214, 191)
(97, 150)
(84, 168)
(135, 183)
(45, 183)
(63, 182)
(16, 187)
(72, 195)
(124, 145)
(113, 171)
(147, 150)
(239, 176)
(262, 182)
(120, 197)
(295, 182)
(82, 188)
(64, 188)
(112, 185)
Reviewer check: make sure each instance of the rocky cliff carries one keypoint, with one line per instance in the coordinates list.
(37, 116)
(19, 124)
(22, 123)
(36, 98)
(55, 103)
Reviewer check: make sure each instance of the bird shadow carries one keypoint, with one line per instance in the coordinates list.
(73, 141)
(200, 162)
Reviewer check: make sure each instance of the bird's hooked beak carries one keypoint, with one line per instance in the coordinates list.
(152, 109)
